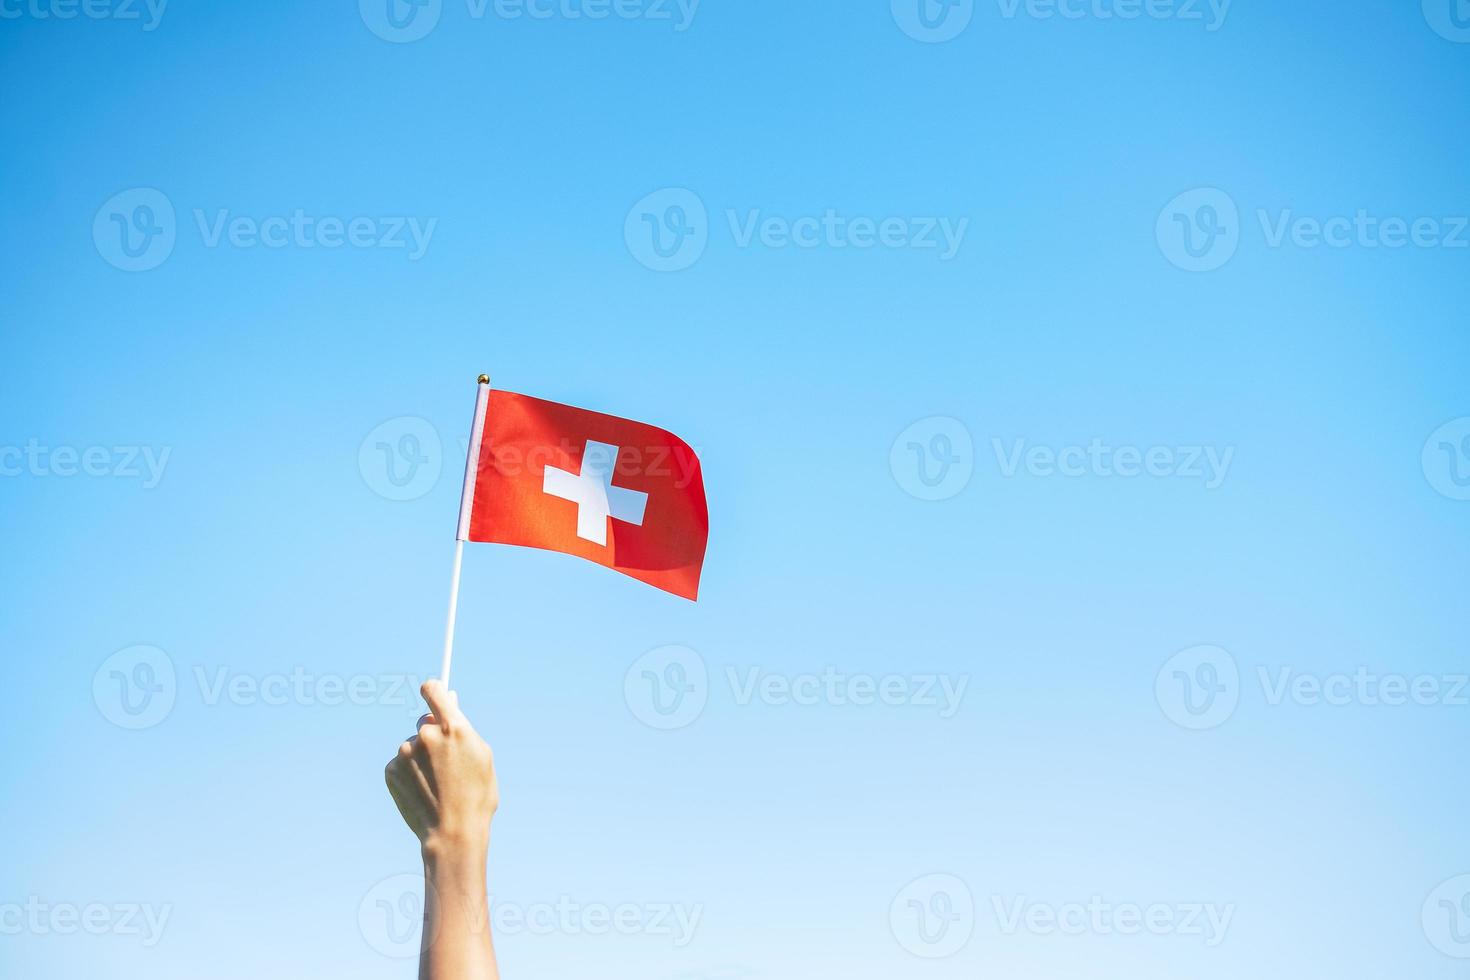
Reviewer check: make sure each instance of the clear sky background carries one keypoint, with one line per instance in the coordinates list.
(1135, 270)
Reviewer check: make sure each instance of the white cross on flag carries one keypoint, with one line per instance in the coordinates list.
(593, 492)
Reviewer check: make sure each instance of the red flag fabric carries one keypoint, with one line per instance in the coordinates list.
(620, 493)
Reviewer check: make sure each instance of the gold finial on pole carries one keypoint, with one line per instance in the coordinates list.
(484, 379)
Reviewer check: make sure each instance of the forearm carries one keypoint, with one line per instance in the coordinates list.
(457, 943)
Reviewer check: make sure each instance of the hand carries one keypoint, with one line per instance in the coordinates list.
(443, 779)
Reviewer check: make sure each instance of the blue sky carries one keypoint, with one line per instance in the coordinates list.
(1080, 390)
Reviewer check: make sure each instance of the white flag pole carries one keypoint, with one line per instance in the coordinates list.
(466, 507)
(453, 610)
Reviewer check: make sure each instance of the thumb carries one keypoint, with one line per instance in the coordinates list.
(443, 705)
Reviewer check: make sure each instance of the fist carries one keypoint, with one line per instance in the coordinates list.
(443, 778)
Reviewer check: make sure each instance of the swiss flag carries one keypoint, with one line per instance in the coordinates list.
(623, 494)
